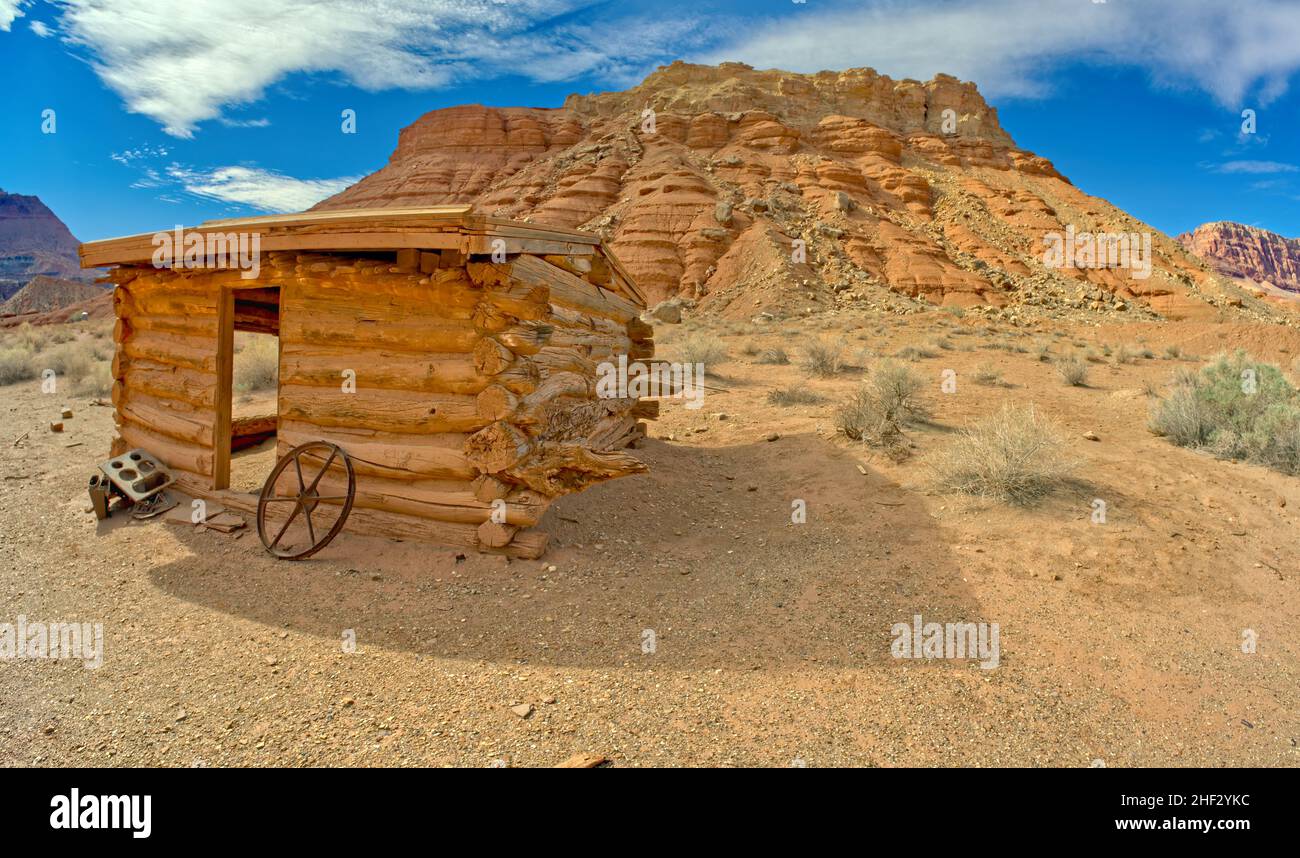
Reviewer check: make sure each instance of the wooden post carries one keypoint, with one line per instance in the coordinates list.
(225, 381)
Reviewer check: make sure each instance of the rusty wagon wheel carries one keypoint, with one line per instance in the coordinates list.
(305, 498)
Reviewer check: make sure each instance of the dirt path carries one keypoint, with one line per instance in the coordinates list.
(1119, 642)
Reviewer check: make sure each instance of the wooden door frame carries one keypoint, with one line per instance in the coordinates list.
(221, 439)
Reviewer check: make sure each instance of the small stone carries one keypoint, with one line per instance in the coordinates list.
(771, 436)
(548, 700)
(182, 715)
(56, 427)
(1091, 436)
(523, 710)
(67, 413)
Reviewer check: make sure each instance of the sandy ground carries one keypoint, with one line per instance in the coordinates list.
(1120, 642)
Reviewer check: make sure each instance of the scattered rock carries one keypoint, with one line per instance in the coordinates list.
(669, 312)
(56, 427)
(1091, 436)
(523, 710)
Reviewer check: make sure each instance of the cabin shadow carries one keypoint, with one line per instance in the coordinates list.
(702, 563)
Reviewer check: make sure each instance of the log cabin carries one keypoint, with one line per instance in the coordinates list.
(453, 356)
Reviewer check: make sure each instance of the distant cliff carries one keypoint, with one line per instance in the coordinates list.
(1244, 251)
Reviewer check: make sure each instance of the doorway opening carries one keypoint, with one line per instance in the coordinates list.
(252, 391)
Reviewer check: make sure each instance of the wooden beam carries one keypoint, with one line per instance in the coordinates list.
(225, 380)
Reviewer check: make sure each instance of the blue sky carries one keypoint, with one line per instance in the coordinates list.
(169, 112)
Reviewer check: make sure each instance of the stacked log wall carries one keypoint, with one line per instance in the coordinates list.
(474, 382)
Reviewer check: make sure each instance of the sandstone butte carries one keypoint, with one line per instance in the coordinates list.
(1263, 258)
(895, 212)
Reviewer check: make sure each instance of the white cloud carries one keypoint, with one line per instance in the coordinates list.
(1256, 167)
(41, 29)
(257, 188)
(182, 69)
(1012, 47)
(9, 11)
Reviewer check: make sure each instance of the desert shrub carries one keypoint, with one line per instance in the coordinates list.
(257, 363)
(1044, 351)
(1015, 456)
(73, 359)
(775, 355)
(953, 311)
(1173, 352)
(988, 376)
(1073, 371)
(1236, 408)
(914, 353)
(1150, 388)
(878, 411)
(17, 363)
(942, 344)
(822, 358)
(699, 347)
(1125, 355)
(750, 349)
(59, 334)
(793, 396)
(97, 381)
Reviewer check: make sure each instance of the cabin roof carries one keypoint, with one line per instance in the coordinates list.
(361, 230)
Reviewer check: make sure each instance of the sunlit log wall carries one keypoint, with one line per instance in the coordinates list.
(454, 382)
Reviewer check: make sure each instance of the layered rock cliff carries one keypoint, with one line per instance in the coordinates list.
(765, 191)
(1247, 252)
(34, 242)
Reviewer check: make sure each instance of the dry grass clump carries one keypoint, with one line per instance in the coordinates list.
(988, 376)
(1073, 371)
(914, 353)
(17, 363)
(823, 359)
(882, 407)
(1173, 352)
(775, 355)
(1015, 456)
(257, 362)
(793, 396)
(1236, 408)
(700, 347)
